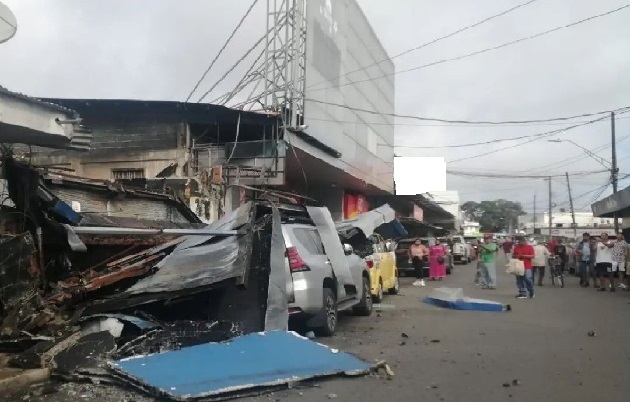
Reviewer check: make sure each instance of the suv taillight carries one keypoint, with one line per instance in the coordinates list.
(296, 263)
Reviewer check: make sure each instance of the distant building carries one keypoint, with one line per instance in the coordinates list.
(562, 224)
(470, 228)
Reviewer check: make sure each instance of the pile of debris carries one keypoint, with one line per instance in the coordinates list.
(90, 295)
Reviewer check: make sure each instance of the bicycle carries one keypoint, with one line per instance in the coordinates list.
(556, 270)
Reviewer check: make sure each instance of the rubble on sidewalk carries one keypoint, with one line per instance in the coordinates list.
(86, 293)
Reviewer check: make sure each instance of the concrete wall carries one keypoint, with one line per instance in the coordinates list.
(340, 40)
(100, 165)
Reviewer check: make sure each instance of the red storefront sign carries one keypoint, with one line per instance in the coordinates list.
(354, 205)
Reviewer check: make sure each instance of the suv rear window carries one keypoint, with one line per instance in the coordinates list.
(310, 239)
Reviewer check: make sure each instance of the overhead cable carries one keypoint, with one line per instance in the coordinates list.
(450, 35)
(520, 144)
(239, 61)
(517, 176)
(238, 26)
(486, 50)
(402, 116)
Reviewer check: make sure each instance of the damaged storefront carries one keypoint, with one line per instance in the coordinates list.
(95, 277)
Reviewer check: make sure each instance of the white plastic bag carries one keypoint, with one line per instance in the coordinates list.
(515, 267)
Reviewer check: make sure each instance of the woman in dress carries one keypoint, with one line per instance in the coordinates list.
(437, 261)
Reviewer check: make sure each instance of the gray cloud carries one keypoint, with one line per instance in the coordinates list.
(156, 49)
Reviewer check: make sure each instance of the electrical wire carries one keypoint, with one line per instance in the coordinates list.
(402, 116)
(238, 26)
(466, 126)
(239, 61)
(486, 50)
(517, 176)
(450, 35)
(575, 159)
(545, 135)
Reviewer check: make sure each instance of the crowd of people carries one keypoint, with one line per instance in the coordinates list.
(598, 259)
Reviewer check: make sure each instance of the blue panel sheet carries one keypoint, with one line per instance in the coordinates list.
(478, 305)
(247, 362)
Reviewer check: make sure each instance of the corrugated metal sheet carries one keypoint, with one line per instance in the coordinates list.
(130, 208)
(149, 136)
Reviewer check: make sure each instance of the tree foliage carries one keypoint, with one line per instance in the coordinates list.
(494, 216)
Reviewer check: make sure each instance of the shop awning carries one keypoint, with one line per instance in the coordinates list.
(416, 228)
(616, 204)
(381, 220)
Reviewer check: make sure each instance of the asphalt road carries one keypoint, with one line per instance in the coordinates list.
(541, 349)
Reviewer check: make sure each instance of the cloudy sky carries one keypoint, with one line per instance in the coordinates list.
(156, 49)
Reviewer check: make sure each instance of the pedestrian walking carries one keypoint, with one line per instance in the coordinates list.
(487, 266)
(507, 246)
(586, 251)
(551, 245)
(437, 261)
(541, 259)
(417, 254)
(525, 252)
(561, 251)
(603, 263)
(619, 251)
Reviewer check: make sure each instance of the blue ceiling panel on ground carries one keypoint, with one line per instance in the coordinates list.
(245, 363)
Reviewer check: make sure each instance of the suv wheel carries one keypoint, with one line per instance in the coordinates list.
(396, 288)
(379, 293)
(364, 308)
(330, 312)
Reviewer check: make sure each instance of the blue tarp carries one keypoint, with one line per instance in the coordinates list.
(244, 363)
(471, 304)
(453, 298)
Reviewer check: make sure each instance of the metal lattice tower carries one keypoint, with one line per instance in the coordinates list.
(285, 60)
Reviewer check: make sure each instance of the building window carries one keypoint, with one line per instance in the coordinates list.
(127, 174)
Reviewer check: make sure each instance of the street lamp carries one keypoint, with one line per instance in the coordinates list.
(599, 159)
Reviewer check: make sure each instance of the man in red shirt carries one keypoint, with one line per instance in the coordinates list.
(525, 252)
(551, 245)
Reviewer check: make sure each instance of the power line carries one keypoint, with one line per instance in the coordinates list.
(516, 176)
(486, 50)
(574, 159)
(238, 26)
(548, 134)
(435, 119)
(466, 126)
(430, 42)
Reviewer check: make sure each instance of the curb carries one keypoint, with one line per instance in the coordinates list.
(24, 379)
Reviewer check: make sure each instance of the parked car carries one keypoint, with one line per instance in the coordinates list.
(383, 270)
(316, 292)
(403, 264)
(461, 251)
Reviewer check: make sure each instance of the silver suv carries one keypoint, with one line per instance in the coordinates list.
(316, 300)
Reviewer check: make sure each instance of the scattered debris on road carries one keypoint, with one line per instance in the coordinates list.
(453, 298)
(592, 333)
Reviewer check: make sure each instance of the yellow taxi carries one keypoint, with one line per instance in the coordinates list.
(382, 268)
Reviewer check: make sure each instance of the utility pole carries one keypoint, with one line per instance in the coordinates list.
(534, 213)
(572, 210)
(614, 170)
(550, 208)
